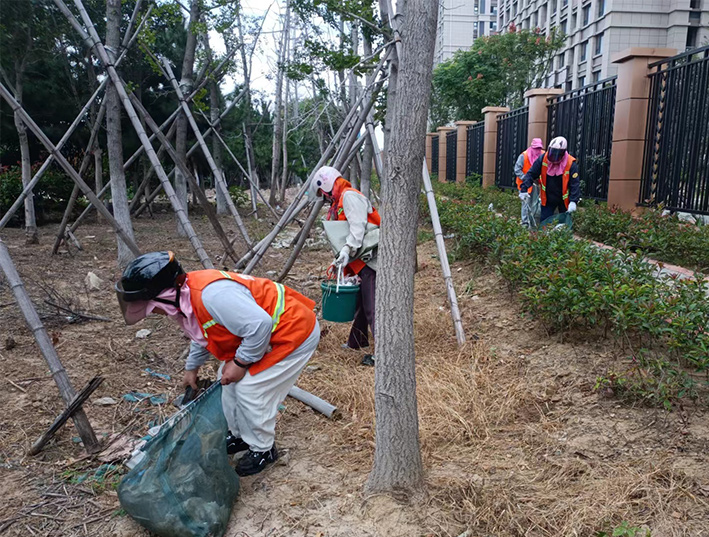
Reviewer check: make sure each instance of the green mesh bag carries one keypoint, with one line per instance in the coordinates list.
(554, 220)
(184, 486)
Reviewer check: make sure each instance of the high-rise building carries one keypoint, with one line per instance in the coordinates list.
(460, 22)
(598, 29)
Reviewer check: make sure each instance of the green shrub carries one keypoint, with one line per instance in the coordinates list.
(572, 284)
(239, 196)
(51, 194)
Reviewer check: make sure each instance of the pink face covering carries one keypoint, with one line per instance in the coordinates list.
(535, 150)
(558, 168)
(185, 316)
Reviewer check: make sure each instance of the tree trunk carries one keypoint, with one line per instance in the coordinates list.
(31, 236)
(114, 139)
(214, 112)
(186, 84)
(368, 155)
(284, 129)
(397, 457)
(278, 111)
(248, 144)
(98, 173)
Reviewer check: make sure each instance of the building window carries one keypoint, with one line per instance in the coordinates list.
(535, 19)
(573, 22)
(692, 37)
(694, 4)
(695, 16)
(582, 81)
(563, 26)
(515, 9)
(570, 57)
(493, 26)
(476, 7)
(544, 15)
(599, 44)
(553, 6)
(596, 76)
(586, 15)
(494, 10)
(564, 3)
(482, 6)
(475, 31)
(568, 86)
(560, 61)
(583, 49)
(601, 7)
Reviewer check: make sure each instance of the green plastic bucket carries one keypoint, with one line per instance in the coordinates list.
(338, 306)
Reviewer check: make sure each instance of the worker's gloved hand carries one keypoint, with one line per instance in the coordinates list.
(343, 258)
(572, 207)
(524, 196)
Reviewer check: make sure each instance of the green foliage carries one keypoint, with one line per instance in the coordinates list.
(664, 238)
(573, 285)
(495, 71)
(625, 530)
(50, 195)
(239, 196)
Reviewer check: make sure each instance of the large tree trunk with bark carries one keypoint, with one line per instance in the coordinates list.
(397, 457)
(114, 139)
(278, 110)
(186, 83)
(31, 236)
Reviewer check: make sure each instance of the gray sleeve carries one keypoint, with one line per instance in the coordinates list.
(197, 357)
(356, 208)
(519, 165)
(232, 306)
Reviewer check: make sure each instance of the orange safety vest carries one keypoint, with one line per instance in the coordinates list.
(565, 181)
(525, 168)
(373, 218)
(292, 314)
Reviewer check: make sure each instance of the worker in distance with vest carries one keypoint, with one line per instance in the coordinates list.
(558, 176)
(350, 205)
(524, 163)
(263, 333)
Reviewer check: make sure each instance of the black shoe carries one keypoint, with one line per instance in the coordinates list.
(235, 445)
(368, 360)
(255, 461)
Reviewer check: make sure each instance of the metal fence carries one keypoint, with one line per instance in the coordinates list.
(511, 141)
(451, 154)
(434, 155)
(474, 149)
(585, 118)
(676, 162)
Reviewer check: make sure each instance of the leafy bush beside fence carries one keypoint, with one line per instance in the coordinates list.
(664, 238)
(572, 285)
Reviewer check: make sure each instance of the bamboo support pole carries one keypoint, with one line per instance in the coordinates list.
(216, 172)
(95, 42)
(302, 237)
(197, 190)
(27, 120)
(354, 151)
(82, 170)
(48, 351)
(443, 256)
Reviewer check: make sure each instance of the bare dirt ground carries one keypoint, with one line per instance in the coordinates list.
(514, 439)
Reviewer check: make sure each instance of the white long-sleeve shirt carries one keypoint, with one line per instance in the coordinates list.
(233, 306)
(356, 207)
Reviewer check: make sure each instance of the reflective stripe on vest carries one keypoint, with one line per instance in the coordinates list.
(276, 317)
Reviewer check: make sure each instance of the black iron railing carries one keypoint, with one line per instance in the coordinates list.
(474, 154)
(511, 141)
(676, 161)
(585, 118)
(451, 154)
(434, 155)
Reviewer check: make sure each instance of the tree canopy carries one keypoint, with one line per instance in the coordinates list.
(495, 71)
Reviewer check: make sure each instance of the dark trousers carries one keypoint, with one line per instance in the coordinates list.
(364, 314)
(550, 208)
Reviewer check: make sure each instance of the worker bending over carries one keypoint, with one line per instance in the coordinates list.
(558, 176)
(350, 205)
(524, 163)
(263, 333)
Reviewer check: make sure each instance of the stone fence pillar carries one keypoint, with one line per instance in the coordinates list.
(539, 113)
(429, 150)
(442, 150)
(631, 102)
(490, 144)
(462, 149)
